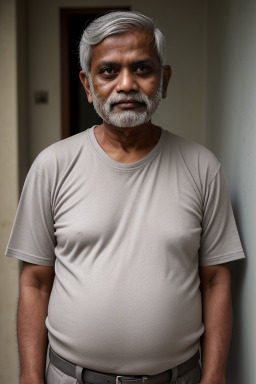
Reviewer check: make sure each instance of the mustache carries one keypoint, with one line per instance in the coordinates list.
(129, 96)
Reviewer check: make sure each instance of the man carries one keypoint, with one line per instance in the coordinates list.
(125, 231)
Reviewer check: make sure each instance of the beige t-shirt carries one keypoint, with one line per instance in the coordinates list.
(126, 241)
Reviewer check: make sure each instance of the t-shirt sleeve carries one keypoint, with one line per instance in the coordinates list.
(220, 242)
(32, 238)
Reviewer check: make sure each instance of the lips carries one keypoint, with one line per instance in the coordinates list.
(130, 103)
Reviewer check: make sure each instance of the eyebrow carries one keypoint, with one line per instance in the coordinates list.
(143, 61)
(113, 63)
(106, 64)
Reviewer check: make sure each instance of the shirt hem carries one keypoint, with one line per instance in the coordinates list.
(29, 258)
(222, 259)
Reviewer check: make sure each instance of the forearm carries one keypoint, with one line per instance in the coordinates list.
(35, 288)
(32, 334)
(217, 317)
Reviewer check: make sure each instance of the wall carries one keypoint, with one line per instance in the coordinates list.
(8, 191)
(22, 84)
(231, 133)
(184, 24)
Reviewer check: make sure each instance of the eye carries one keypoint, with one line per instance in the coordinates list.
(108, 72)
(143, 70)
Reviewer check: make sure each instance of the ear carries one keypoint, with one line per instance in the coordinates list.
(85, 82)
(166, 78)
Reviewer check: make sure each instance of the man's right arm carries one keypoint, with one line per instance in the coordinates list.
(35, 288)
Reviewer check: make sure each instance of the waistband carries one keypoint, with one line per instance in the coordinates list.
(83, 375)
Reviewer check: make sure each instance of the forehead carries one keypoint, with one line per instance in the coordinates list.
(130, 46)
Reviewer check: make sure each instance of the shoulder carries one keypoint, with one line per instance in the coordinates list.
(191, 150)
(197, 159)
(60, 154)
(58, 161)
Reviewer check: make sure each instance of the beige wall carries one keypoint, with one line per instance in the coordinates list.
(8, 191)
(231, 133)
(184, 25)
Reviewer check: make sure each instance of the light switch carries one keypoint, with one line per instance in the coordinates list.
(41, 97)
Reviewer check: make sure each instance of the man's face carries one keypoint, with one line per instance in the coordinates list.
(126, 84)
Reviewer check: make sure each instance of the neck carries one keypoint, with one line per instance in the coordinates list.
(127, 144)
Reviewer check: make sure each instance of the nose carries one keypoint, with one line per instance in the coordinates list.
(126, 82)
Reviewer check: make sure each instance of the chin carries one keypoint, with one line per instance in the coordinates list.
(129, 121)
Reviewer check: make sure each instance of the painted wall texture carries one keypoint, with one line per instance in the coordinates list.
(231, 133)
(9, 269)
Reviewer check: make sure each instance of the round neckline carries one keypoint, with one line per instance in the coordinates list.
(125, 166)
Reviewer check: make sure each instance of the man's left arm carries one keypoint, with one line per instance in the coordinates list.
(217, 317)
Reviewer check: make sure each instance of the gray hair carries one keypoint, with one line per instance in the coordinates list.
(113, 23)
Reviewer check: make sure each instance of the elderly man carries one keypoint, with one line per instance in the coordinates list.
(125, 231)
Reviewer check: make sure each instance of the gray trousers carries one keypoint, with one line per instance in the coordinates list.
(55, 376)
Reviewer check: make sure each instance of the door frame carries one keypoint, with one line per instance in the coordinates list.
(65, 14)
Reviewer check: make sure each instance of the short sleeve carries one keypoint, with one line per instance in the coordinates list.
(32, 238)
(220, 242)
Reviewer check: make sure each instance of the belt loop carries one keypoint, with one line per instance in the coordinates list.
(174, 375)
(79, 371)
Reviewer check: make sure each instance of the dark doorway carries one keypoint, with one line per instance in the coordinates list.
(77, 113)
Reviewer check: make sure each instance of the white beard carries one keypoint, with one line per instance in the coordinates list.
(126, 119)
